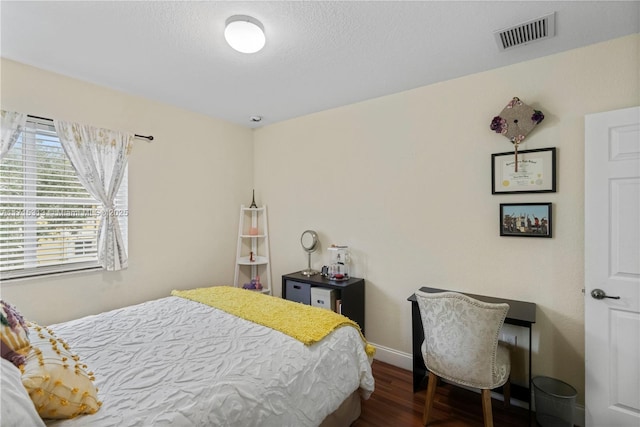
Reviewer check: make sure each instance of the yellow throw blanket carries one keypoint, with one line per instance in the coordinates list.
(303, 322)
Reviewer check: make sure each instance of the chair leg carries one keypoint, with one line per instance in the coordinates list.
(428, 400)
(486, 408)
(506, 392)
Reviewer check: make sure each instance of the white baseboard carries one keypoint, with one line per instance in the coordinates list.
(393, 357)
(405, 361)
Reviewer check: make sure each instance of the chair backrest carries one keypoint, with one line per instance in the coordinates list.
(461, 337)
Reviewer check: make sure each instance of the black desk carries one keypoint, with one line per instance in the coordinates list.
(520, 313)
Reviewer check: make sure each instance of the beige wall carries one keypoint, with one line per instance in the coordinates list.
(405, 181)
(184, 191)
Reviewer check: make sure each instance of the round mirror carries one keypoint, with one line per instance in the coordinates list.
(309, 240)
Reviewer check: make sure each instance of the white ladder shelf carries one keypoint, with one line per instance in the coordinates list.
(252, 256)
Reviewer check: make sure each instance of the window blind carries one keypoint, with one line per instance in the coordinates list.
(48, 221)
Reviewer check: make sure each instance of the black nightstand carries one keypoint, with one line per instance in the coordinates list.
(350, 292)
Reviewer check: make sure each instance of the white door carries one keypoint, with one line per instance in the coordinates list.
(612, 265)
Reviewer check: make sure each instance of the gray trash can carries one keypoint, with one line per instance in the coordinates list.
(555, 401)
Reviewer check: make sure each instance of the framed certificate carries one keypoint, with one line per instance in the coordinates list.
(535, 173)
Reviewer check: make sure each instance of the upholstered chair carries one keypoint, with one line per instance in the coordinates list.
(461, 346)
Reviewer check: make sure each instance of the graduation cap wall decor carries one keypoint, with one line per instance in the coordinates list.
(515, 121)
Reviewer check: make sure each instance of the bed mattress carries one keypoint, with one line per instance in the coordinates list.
(175, 362)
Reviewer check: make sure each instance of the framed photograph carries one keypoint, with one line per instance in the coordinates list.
(525, 219)
(536, 172)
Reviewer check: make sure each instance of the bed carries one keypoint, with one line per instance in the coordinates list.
(179, 362)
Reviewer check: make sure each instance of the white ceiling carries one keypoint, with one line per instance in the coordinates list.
(319, 54)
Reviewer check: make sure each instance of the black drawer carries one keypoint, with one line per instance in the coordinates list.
(299, 292)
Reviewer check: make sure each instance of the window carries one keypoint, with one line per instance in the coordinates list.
(48, 221)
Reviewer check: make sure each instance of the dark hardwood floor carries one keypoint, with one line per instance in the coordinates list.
(393, 403)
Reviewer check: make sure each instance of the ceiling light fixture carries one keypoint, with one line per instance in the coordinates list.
(244, 33)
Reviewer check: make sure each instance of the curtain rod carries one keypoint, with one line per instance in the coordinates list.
(150, 137)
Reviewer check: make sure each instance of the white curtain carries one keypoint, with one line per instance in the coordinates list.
(12, 125)
(99, 157)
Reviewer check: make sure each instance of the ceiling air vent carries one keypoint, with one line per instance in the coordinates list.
(527, 32)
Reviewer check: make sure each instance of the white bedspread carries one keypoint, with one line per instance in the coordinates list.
(175, 362)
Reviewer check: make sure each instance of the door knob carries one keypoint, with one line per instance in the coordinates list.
(600, 294)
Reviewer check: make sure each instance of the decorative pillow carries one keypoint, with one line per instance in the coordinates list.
(15, 334)
(17, 408)
(56, 380)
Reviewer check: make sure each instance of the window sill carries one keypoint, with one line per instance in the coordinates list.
(43, 274)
